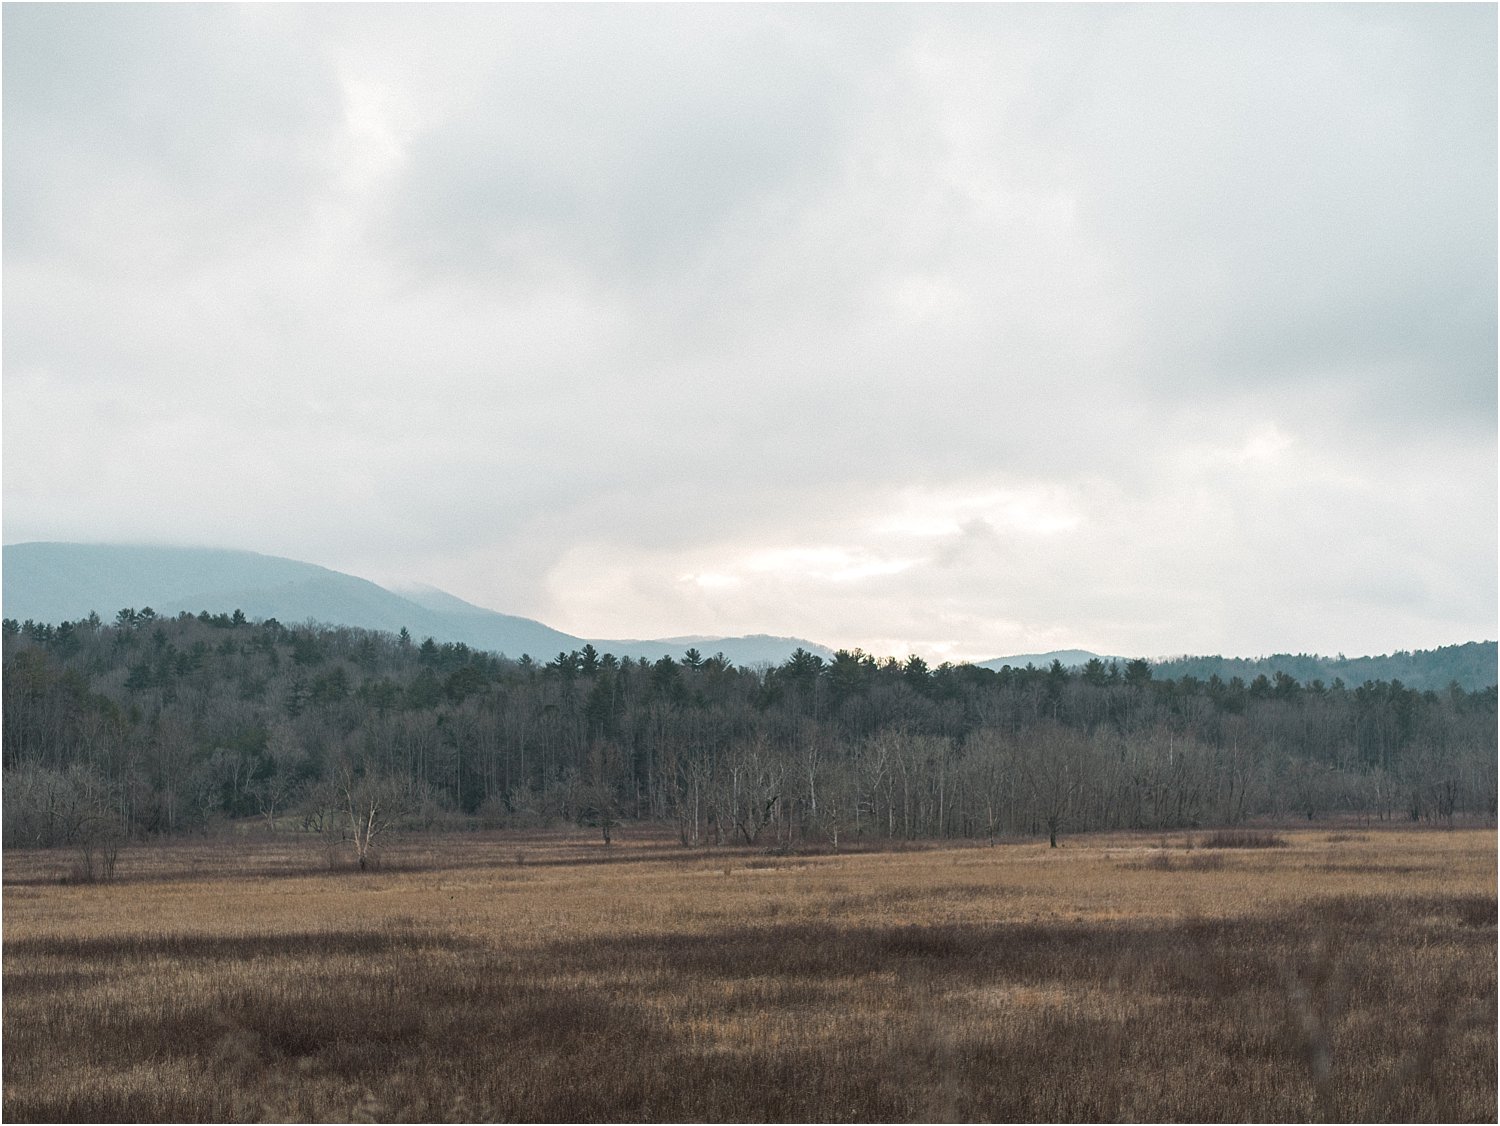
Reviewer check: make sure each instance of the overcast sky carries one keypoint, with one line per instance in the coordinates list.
(961, 331)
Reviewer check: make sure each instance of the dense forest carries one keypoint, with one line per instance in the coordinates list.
(151, 725)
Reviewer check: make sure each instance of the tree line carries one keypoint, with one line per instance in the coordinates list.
(153, 725)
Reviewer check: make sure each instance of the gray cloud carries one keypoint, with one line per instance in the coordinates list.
(606, 144)
(139, 125)
(1155, 328)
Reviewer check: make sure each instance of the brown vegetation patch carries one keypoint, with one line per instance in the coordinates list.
(234, 948)
(1243, 838)
(1077, 990)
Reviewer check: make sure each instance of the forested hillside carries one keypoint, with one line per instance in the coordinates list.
(1471, 665)
(149, 725)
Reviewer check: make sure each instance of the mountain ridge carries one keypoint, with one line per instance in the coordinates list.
(53, 582)
(49, 581)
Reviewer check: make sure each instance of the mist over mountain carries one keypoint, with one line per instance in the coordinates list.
(54, 582)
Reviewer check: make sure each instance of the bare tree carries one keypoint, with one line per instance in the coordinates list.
(75, 807)
(756, 778)
(595, 799)
(990, 777)
(280, 789)
(373, 803)
(1055, 766)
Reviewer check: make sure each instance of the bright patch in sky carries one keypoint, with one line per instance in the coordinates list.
(829, 564)
(1035, 512)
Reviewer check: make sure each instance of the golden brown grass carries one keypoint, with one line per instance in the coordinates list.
(548, 978)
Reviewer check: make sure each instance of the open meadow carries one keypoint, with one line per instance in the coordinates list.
(1345, 973)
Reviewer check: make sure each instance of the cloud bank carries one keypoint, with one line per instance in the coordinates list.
(949, 330)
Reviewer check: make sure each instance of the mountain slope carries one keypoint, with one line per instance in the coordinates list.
(754, 649)
(54, 582)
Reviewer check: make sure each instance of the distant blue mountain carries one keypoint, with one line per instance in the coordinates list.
(54, 582)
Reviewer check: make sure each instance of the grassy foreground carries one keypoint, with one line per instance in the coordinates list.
(1348, 975)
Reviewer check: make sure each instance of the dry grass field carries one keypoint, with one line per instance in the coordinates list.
(1348, 975)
